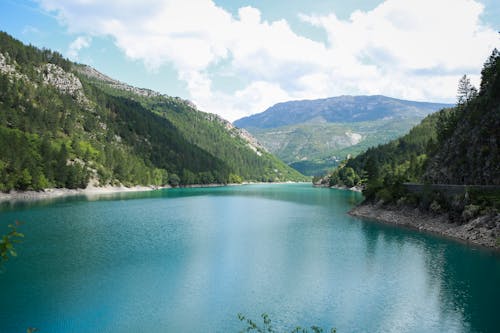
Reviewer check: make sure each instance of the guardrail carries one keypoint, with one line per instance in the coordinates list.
(449, 189)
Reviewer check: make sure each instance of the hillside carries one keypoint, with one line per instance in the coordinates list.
(469, 151)
(63, 125)
(456, 146)
(313, 136)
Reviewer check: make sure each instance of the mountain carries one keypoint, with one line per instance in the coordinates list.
(64, 124)
(455, 146)
(342, 109)
(314, 135)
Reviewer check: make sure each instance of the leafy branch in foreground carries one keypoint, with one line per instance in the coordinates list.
(267, 326)
(7, 242)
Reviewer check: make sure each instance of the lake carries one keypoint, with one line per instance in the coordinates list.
(190, 260)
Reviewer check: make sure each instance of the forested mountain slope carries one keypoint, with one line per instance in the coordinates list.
(64, 124)
(314, 135)
(459, 146)
(469, 151)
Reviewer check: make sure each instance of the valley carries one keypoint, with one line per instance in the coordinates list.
(314, 136)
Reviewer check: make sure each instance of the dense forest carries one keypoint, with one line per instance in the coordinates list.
(457, 145)
(62, 128)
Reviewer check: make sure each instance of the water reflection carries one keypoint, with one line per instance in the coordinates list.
(266, 191)
(460, 282)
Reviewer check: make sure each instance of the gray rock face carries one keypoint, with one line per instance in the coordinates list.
(9, 68)
(51, 74)
(252, 142)
(55, 76)
(63, 81)
(94, 74)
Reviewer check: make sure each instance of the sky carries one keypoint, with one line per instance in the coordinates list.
(237, 58)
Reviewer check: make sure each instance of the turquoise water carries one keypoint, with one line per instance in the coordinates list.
(190, 260)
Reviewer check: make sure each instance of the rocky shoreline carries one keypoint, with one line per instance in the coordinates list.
(338, 187)
(93, 190)
(482, 231)
(51, 193)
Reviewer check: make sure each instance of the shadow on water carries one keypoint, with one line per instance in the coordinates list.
(465, 278)
(470, 281)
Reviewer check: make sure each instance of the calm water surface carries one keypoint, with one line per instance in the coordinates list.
(190, 260)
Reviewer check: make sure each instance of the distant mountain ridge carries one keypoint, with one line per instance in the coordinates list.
(313, 136)
(341, 109)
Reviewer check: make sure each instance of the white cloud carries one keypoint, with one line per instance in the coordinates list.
(29, 29)
(79, 43)
(415, 49)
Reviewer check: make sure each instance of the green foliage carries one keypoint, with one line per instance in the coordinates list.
(316, 148)
(29, 56)
(174, 180)
(344, 176)
(235, 179)
(28, 162)
(446, 124)
(51, 139)
(388, 166)
(7, 242)
(211, 134)
(489, 72)
(266, 326)
(485, 198)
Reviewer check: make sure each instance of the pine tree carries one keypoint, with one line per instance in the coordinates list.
(466, 91)
(488, 73)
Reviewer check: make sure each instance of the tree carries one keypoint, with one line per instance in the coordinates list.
(174, 179)
(7, 242)
(446, 124)
(489, 70)
(160, 177)
(466, 91)
(188, 177)
(234, 179)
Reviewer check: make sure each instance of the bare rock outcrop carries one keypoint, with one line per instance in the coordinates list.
(252, 142)
(9, 68)
(65, 82)
(95, 74)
